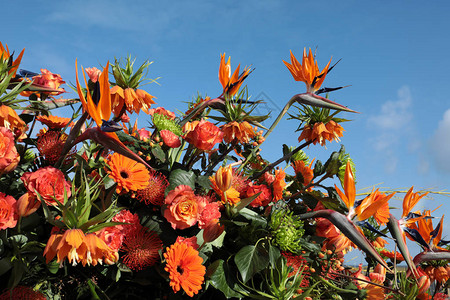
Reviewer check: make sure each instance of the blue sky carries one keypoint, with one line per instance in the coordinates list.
(395, 56)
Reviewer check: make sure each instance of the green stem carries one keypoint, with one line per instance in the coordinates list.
(266, 135)
(336, 287)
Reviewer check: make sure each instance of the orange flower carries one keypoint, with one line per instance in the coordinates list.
(279, 184)
(47, 184)
(127, 173)
(185, 268)
(182, 207)
(320, 132)
(162, 111)
(27, 204)
(93, 74)
(223, 178)
(230, 196)
(409, 201)
(306, 172)
(53, 122)
(97, 251)
(376, 205)
(132, 99)
(265, 195)
(49, 80)
(9, 157)
(236, 132)
(153, 193)
(308, 71)
(141, 247)
(231, 84)
(203, 134)
(71, 244)
(379, 242)
(8, 211)
(50, 145)
(4, 54)
(392, 255)
(22, 293)
(11, 120)
(441, 274)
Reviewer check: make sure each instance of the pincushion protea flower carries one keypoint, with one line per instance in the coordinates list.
(127, 173)
(141, 248)
(22, 293)
(51, 144)
(153, 193)
(185, 268)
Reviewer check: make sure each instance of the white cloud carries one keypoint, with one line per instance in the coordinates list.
(390, 126)
(440, 144)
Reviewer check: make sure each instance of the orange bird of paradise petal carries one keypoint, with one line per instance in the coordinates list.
(349, 188)
(308, 71)
(371, 204)
(4, 53)
(231, 83)
(410, 200)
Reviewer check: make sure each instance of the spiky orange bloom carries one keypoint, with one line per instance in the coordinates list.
(127, 173)
(371, 206)
(50, 145)
(185, 268)
(297, 262)
(11, 120)
(231, 84)
(4, 54)
(22, 293)
(392, 255)
(153, 193)
(409, 201)
(308, 71)
(53, 122)
(141, 248)
(132, 99)
(306, 172)
(320, 132)
(379, 242)
(279, 184)
(236, 132)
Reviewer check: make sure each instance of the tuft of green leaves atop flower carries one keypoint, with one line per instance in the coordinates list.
(162, 122)
(286, 230)
(126, 77)
(310, 115)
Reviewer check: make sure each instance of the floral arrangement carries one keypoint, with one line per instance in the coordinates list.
(91, 207)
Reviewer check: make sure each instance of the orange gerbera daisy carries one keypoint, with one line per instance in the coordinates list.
(236, 132)
(4, 54)
(308, 71)
(279, 184)
(185, 268)
(231, 84)
(127, 173)
(54, 122)
(141, 247)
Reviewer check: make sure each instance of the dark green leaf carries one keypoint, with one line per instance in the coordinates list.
(181, 177)
(218, 278)
(251, 260)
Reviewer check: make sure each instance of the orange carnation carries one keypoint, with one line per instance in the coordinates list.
(185, 268)
(9, 158)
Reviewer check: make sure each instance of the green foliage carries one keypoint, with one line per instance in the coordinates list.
(286, 229)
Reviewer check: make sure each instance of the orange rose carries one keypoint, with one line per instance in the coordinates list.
(204, 136)
(182, 207)
(49, 183)
(9, 158)
(8, 211)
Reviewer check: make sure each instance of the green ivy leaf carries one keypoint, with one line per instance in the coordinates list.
(251, 260)
(220, 280)
(181, 177)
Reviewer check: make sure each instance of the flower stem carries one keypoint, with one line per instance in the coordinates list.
(266, 135)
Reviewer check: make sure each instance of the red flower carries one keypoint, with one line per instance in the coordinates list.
(8, 211)
(210, 213)
(125, 216)
(170, 139)
(203, 134)
(191, 242)
(264, 197)
(47, 184)
(141, 248)
(93, 74)
(154, 192)
(22, 293)
(27, 204)
(279, 184)
(9, 158)
(162, 111)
